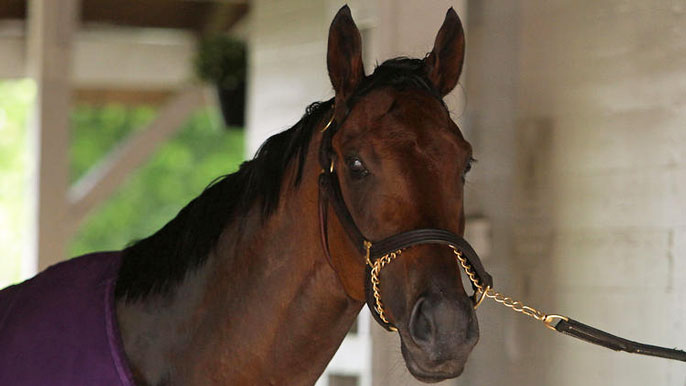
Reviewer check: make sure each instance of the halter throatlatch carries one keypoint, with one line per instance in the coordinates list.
(378, 254)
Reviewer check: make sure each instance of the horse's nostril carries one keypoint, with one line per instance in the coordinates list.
(421, 325)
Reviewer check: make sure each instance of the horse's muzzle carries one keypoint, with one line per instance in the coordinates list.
(442, 333)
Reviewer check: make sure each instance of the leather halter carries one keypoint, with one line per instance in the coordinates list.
(330, 192)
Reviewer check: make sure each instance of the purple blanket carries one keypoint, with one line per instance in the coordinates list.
(59, 328)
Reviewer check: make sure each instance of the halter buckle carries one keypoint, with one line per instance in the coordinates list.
(367, 247)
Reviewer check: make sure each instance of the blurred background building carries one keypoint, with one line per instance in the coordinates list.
(576, 111)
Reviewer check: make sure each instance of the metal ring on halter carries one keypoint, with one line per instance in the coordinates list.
(333, 114)
(481, 299)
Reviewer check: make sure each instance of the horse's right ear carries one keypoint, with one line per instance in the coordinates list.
(344, 56)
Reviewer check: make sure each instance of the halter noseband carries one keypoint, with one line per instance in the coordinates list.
(379, 253)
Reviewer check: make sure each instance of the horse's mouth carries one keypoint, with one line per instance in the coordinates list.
(440, 372)
(434, 378)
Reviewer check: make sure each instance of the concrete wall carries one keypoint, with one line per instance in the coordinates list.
(578, 112)
(490, 192)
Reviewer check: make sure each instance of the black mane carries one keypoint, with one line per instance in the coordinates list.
(155, 264)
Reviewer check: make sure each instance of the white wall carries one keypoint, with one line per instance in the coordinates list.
(501, 357)
(113, 58)
(287, 64)
(578, 109)
(610, 77)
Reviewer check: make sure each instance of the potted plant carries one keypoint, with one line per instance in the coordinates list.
(221, 60)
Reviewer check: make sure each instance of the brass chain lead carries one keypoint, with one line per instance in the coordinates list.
(376, 269)
(516, 305)
(482, 292)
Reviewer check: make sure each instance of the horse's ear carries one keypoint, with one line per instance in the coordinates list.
(444, 63)
(344, 56)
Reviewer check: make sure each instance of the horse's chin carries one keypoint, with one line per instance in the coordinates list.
(428, 371)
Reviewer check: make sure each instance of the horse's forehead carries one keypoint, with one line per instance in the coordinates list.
(411, 117)
(410, 104)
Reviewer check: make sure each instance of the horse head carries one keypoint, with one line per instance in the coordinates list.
(400, 164)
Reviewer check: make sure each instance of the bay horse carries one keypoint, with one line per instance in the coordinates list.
(252, 283)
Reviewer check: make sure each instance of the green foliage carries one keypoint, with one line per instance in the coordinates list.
(95, 130)
(178, 172)
(221, 60)
(16, 98)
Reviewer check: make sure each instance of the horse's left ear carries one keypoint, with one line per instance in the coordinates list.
(444, 63)
(344, 56)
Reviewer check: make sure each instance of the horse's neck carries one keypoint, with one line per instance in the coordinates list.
(265, 309)
(274, 312)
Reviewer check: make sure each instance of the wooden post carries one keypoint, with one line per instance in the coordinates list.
(51, 26)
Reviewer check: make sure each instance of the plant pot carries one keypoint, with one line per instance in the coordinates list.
(232, 105)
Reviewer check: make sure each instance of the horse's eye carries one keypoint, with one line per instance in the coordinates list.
(467, 168)
(356, 167)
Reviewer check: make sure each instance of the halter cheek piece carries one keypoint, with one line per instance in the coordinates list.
(380, 253)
